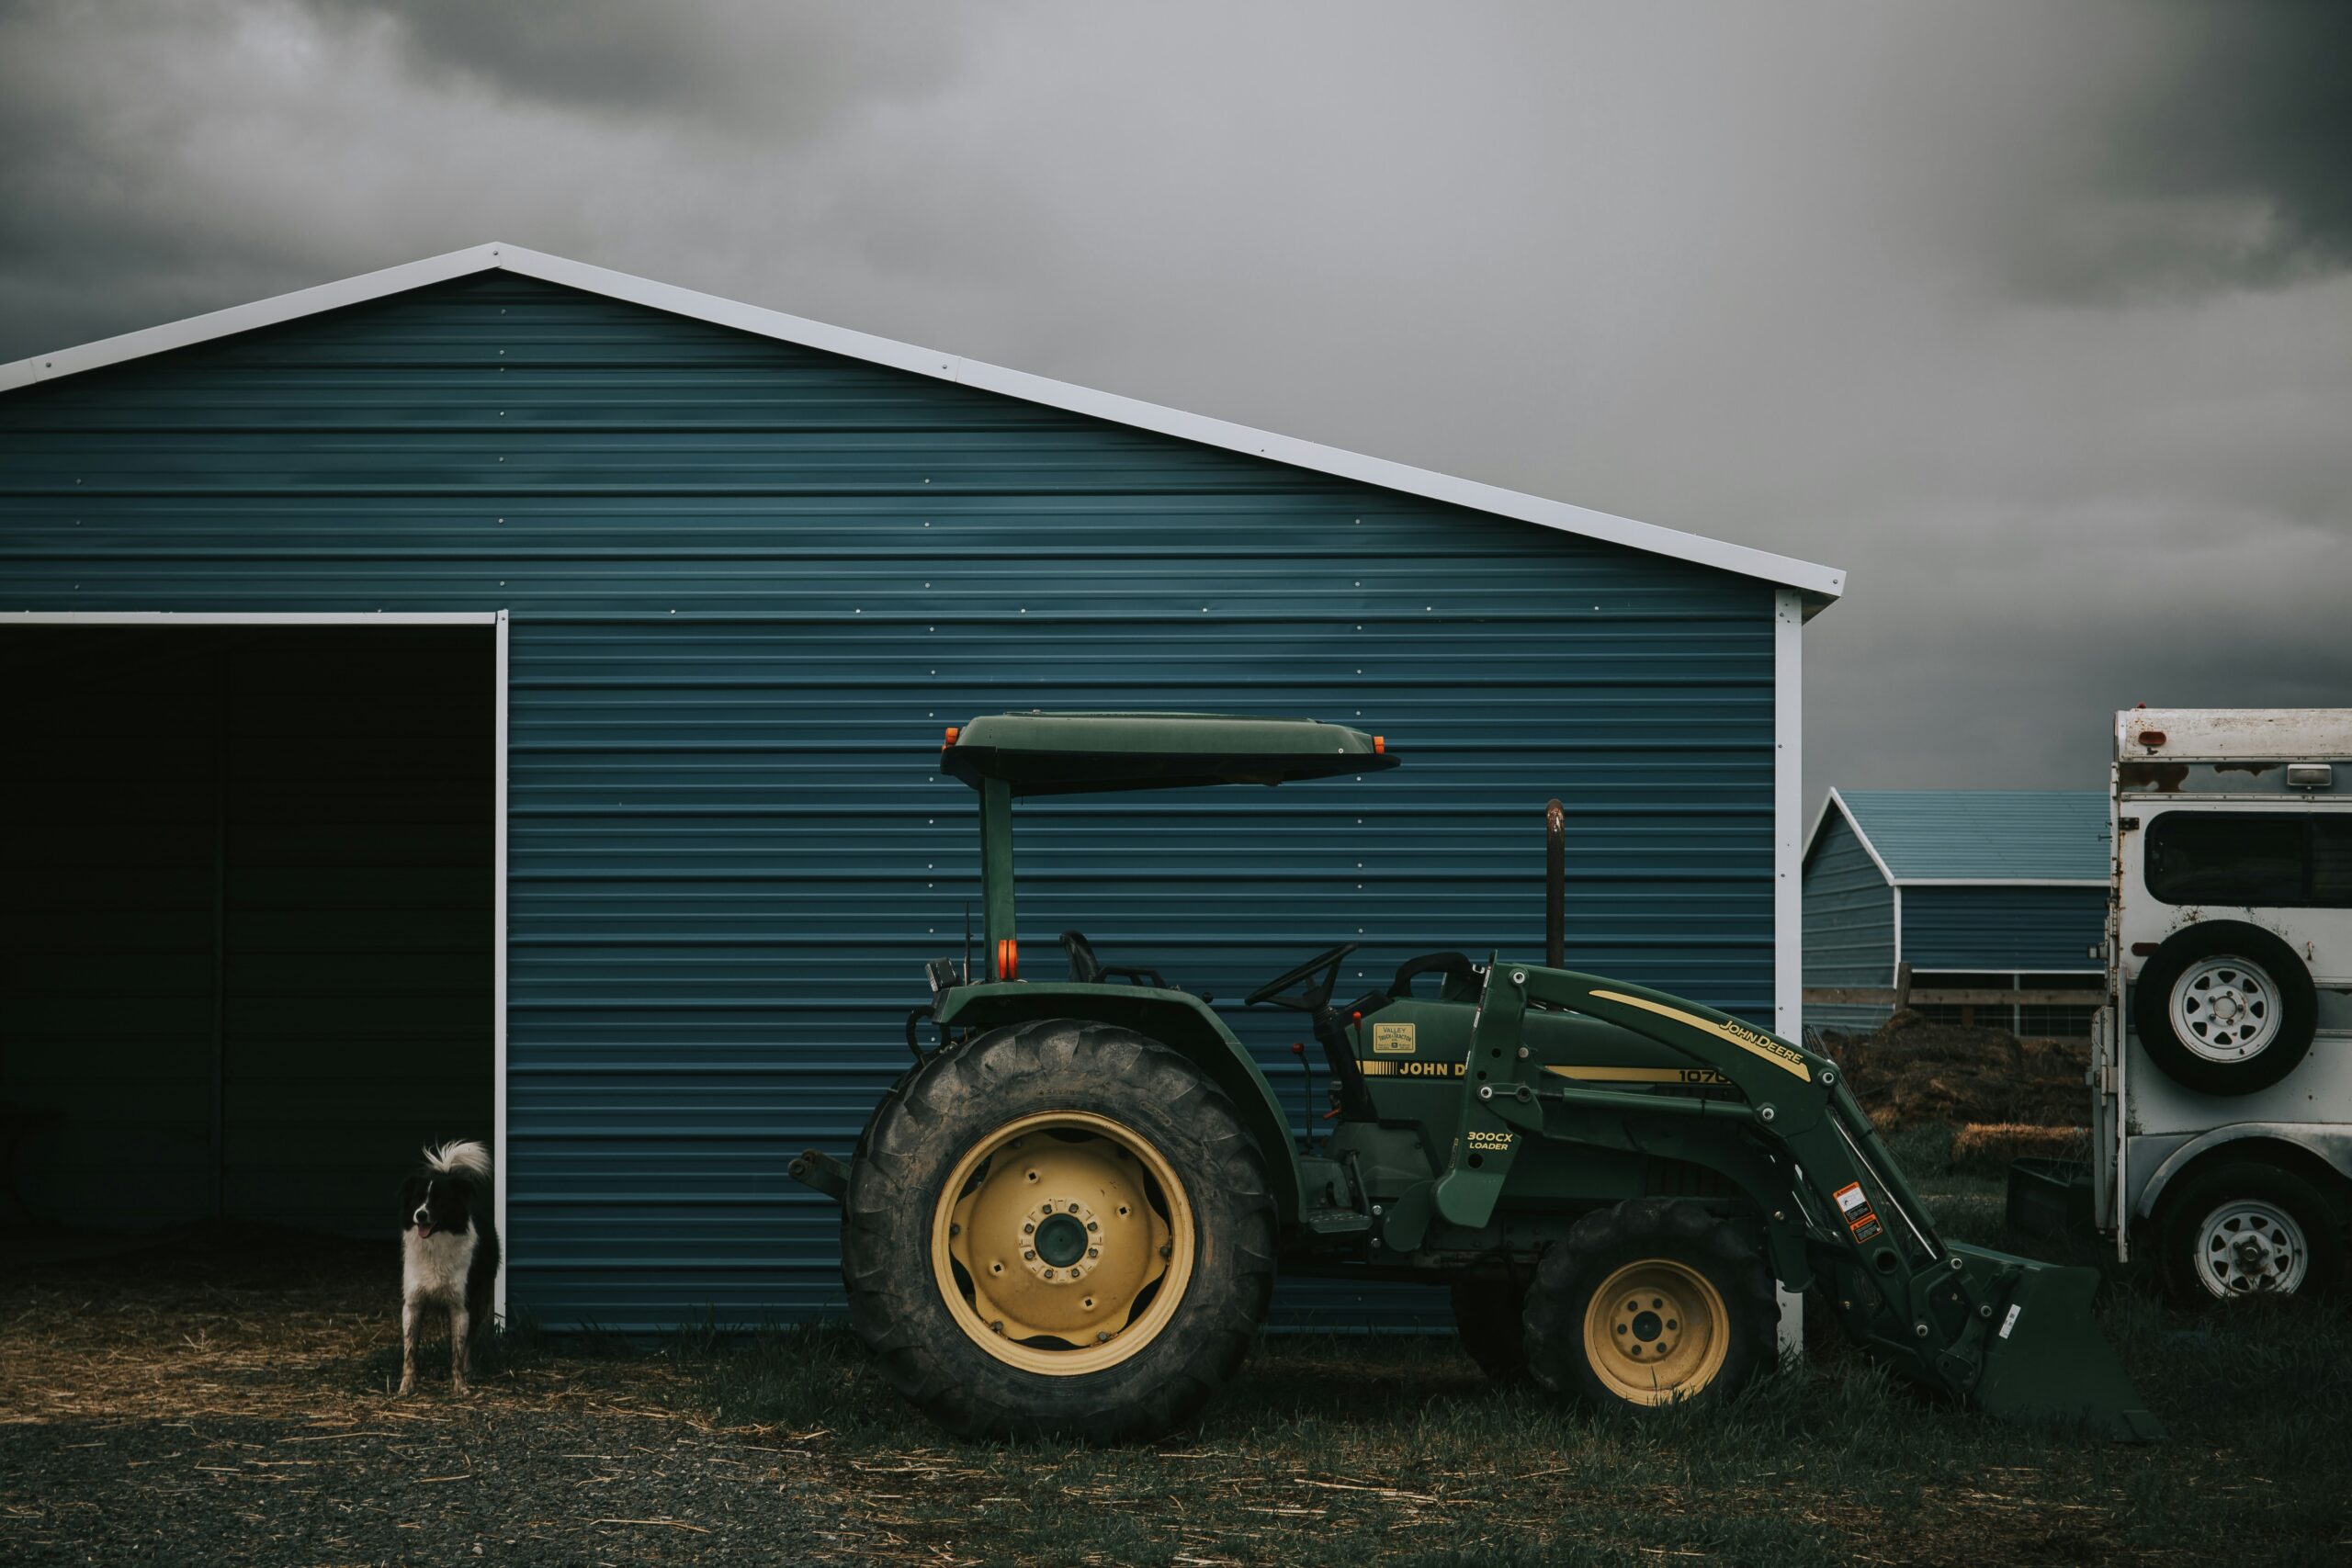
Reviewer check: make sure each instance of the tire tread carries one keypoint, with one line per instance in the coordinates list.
(915, 1137)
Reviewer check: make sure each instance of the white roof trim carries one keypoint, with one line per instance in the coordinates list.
(1813, 832)
(1862, 834)
(2004, 882)
(1948, 969)
(1834, 798)
(252, 617)
(1819, 584)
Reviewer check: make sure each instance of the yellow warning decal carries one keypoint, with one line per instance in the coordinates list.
(1641, 1075)
(1755, 1044)
(1393, 1040)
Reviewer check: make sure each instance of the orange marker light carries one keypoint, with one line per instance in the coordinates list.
(1379, 745)
(1008, 959)
(952, 733)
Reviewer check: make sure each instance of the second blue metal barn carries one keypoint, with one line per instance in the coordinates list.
(1969, 892)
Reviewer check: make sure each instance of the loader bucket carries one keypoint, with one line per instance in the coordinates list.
(2045, 1360)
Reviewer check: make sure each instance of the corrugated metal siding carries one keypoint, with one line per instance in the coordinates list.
(1849, 924)
(1992, 834)
(751, 583)
(2040, 930)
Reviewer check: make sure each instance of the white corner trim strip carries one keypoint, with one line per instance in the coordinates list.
(1788, 813)
(1820, 581)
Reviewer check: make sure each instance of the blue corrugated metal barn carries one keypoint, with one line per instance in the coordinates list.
(1973, 890)
(500, 695)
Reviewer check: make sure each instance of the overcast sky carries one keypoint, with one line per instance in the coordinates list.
(2035, 318)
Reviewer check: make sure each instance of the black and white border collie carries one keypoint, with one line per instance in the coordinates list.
(448, 1254)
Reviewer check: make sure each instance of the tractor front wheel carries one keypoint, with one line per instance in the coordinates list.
(1058, 1228)
(1648, 1304)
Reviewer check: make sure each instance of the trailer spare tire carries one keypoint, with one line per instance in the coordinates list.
(2225, 1008)
(1058, 1228)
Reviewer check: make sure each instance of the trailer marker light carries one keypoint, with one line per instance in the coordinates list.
(2152, 738)
(1380, 745)
(952, 733)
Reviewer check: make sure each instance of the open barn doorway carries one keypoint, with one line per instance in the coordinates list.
(249, 915)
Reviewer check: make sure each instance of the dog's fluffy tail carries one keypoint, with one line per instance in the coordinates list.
(465, 1155)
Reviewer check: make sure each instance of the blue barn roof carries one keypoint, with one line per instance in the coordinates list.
(1980, 835)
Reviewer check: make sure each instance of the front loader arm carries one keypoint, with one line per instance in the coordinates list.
(1835, 1204)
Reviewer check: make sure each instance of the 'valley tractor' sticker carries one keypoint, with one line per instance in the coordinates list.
(1393, 1040)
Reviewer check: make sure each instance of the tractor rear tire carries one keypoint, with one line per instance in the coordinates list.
(1058, 1228)
(1490, 1315)
(1651, 1302)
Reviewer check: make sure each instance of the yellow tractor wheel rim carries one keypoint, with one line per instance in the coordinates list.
(1655, 1331)
(1062, 1242)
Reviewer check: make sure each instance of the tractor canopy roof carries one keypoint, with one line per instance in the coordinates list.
(1072, 754)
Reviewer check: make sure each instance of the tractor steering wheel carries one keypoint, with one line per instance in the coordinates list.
(1317, 995)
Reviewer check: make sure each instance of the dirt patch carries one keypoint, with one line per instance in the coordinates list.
(206, 1405)
(230, 1397)
(1912, 1071)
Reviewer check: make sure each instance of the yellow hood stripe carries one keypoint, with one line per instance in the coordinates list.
(1639, 1075)
(1754, 1043)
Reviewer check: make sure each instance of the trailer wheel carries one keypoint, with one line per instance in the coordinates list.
(2249, 1229)
(1651, 1302)
(2225, 1008)
(1489, 1314)
(1058, 1228)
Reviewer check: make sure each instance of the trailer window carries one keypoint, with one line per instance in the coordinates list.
(2275, 859)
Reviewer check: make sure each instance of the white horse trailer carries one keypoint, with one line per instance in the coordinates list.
(2222, 1066)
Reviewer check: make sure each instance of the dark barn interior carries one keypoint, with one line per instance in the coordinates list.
(247, 966)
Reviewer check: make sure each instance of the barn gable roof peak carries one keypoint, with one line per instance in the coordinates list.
(1817, 584)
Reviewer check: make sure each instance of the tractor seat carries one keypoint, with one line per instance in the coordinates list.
(1088, 970)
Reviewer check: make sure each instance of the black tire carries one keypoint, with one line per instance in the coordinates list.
(1490, 1317)
(1648, 1230)
(2189, 1059)
(2194, 1228)
(957, 1102)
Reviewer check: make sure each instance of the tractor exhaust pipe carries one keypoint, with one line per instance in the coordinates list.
(1556, 884)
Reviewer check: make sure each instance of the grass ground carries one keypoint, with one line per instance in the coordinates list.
(225, 1421)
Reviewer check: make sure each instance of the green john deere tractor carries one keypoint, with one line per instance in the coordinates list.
(1066, 1217)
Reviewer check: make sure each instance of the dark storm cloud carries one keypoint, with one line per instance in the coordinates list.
(781, 69)
(2224, 163)
(2036, 318)
(168, 159)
